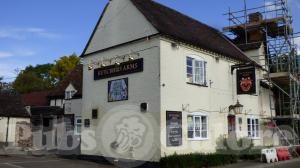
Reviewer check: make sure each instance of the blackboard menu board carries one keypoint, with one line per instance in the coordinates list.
(174, 128)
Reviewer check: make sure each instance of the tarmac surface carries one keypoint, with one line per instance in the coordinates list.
(46, 162)
(55, 162)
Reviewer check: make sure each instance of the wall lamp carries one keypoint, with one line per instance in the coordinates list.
(237, 108)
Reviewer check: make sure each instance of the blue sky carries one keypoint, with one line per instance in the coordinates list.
(40, 31)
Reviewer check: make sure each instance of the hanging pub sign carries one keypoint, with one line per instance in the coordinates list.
(118, 90)
(124, 68)
(246, 81)
(174, 128)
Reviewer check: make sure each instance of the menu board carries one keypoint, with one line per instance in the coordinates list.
(174, 128)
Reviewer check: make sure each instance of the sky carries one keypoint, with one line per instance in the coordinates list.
(41, 31)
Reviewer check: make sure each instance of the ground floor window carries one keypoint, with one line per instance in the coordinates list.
(197, 126)
(78, 123)
(253, 127)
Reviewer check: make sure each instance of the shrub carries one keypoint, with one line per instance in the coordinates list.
(197, 160)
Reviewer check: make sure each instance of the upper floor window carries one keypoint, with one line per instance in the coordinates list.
(69, 94)
(196, 70)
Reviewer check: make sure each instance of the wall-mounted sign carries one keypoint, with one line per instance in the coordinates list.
(118, 70)
(246, 81)
(174, 128)
(118, 90)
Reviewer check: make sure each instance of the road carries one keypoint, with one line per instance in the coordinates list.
(54, 162)
(46, 162)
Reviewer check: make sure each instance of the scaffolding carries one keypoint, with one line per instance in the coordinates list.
(270, 27)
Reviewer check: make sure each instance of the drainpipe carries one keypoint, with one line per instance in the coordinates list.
(7, 129)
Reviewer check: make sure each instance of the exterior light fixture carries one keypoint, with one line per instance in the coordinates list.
(130, 58)
(103, 65)
(90, 67)
(237, 108)
(117, 63)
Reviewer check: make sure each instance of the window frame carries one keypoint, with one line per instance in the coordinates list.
(254, 124)
(77, 124)
(202, 73)
(70, 94)
(198, 115)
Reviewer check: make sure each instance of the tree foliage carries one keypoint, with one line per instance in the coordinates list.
(63, 66)
(34, 78)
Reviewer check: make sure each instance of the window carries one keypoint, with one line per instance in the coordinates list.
(197, 127)
(69, 94)
(78, 123)
(253, 127)
(196, 70)
(94, 114)
(87, 123)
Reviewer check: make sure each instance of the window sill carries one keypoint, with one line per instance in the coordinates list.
(198, 139)
(196, 84)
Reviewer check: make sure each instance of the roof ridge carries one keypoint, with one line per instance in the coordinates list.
(168, 21)
(183, 14)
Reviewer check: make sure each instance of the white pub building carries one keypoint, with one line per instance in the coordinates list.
(156, 82)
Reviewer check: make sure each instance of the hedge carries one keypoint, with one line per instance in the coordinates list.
(197, 160)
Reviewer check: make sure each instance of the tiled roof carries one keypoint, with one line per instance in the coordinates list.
(186, 29)
(11, 105)
(74, 78)
(36, 98)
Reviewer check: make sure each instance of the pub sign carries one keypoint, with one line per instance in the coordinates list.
(118, 70)
(174, 128)
(246, 81)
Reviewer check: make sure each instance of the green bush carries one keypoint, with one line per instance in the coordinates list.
(197, 160)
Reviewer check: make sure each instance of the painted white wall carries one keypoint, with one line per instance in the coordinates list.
(143, 87)
(73, 106)
(214, 99)
(258, 55)
(11, 130)
(116, 27)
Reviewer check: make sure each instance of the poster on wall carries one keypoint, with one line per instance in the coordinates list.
(246, 81)
(118, 90)
(174, 128)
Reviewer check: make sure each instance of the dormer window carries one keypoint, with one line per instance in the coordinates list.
(69, 94)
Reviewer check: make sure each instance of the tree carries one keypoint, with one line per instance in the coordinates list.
(34, 79)
(1, 83)
(63, 66)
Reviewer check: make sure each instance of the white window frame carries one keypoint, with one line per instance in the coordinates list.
(254, 125)
(69, 94)
(77, 125)
(196, 115)
(202, 70)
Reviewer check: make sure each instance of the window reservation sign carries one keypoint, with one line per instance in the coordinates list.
(174, 128)
(118, 70)
(246, 81)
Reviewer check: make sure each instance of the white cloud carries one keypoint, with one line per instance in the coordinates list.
(17, 53)
(24, 33)
(5, 54)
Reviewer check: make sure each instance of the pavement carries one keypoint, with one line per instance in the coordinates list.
(46, 162)
(295, 163)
